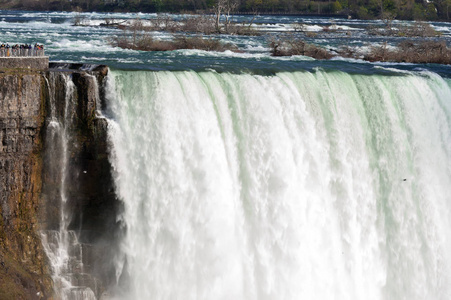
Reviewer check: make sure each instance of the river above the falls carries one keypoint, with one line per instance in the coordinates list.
(247, 176)
(91, 43)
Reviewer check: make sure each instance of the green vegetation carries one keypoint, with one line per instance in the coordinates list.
(364, 9)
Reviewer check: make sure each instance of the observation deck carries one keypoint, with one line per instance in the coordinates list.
(23, 58)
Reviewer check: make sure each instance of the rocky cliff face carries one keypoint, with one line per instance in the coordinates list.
(38, 162)
(24, 273)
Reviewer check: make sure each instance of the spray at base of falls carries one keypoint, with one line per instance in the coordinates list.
(324, 185)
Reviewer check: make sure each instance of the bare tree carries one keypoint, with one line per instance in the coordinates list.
(448, 4)
(136, 28)
(79, 19)
(225, 8)
(388, 19)
(218, 9)
(255, 6)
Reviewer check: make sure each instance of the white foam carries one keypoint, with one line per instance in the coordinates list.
(271, 187)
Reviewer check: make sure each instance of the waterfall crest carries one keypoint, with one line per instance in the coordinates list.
(322, 184)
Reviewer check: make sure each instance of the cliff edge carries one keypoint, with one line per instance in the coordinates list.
(32, 103)
(24, 273)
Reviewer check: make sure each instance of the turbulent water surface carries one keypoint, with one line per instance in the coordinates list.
(300, 185)
(250, 177)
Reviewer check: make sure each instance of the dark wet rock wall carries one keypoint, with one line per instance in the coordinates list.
(30, 179)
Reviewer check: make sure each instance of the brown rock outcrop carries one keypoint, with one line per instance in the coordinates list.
(30, 180)
(23, 270)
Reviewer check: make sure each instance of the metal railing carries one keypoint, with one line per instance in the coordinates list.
(21, 52)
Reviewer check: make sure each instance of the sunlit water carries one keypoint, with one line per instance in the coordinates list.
(245, 176)
(90, 44)
(300, 185)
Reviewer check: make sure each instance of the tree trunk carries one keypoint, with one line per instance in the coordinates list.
(218, 16)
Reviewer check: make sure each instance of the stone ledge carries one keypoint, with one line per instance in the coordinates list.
(32, 63)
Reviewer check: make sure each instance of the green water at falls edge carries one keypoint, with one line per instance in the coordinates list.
(289, 186)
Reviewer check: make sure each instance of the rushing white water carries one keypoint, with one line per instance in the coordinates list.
(302, 185)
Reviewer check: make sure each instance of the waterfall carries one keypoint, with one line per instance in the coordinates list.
(61, 244)
(312, 185)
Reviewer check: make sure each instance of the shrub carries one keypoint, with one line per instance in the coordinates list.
(147, 43)
(164, 23)
(200, 43)
(412, 52)
(204, 24)
(200, 24)
(363, 13)
(348, 52)
(417, 29)
(336, 6)
(288, 47)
